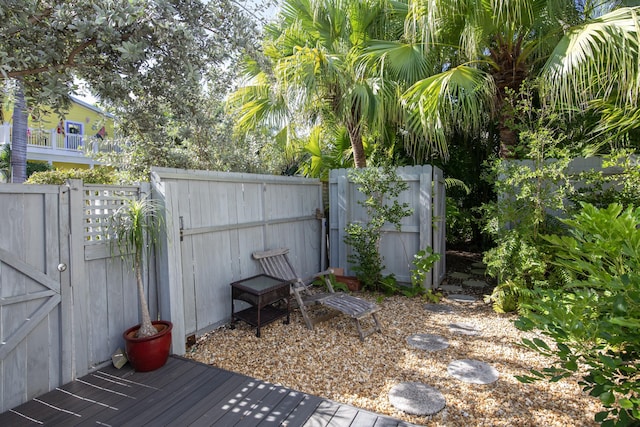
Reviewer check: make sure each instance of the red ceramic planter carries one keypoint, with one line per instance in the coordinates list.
(148, 353)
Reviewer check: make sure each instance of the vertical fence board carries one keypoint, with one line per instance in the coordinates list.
(236, 215)
(30, 328)
(397, 248)
(169, 268)
(426, 211)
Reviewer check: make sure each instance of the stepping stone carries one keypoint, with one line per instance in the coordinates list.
(462, 298)
(438, 308)
(451, 288)
(464, 329)
(416, 398)
(459, 275)
(478, 271)
(474, 283)
(472, 371)
(479, 265)
(428, 342)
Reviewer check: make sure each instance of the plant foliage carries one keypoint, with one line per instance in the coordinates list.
(380, 188)
(594, 320)
(135, 227)
(97, 175)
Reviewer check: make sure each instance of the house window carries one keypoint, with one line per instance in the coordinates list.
(73, 139)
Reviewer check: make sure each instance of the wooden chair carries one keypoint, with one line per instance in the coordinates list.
(276, 263)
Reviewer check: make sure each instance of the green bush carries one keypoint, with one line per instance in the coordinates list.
(594, 320)
(97, 175)
(459, 223)
(603, 189)
(381, 188)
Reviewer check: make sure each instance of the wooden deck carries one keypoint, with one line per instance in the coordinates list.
(184, 393)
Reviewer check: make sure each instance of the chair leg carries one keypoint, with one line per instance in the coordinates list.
(375, 319)
(355, 319)
(303, 310)
(375, 328)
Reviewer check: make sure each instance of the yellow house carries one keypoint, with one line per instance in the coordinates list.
(65, 142)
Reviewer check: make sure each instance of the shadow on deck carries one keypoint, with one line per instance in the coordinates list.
(184, 393)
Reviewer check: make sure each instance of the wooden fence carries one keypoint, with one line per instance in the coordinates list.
(65, 300)
(215, 221)
(424, 228)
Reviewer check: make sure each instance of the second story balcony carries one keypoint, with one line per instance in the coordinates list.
(54, 146)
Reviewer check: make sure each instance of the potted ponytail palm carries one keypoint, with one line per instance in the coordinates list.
(137, 225)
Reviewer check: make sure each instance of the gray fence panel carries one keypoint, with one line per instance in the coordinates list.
(34, 323)
(397, 247)
(222, 218)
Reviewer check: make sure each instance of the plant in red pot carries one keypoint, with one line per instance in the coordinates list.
(137, 225)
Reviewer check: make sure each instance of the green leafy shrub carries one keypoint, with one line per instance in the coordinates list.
(602, 189)
(594, 320)
(422, 263)
(519, 265)
(529, 192)
(381, 188)
(97, 175)
(459, 223)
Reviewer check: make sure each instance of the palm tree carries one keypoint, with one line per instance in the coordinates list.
(315, 76)
(134, 226)
(473, 52)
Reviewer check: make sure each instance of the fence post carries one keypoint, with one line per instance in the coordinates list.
(169, 266)
(343, 206)
(426, 216)
(81, 304)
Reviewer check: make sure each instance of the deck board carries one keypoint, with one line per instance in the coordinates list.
(184, 392)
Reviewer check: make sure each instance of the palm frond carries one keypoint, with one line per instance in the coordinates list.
(458, 99)
(600, 59)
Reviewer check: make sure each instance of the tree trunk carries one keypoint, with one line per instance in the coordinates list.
(355, 136)
(508, 141)
(146, 327)
(19, 137)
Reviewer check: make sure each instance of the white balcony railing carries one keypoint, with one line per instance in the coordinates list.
(72, 144)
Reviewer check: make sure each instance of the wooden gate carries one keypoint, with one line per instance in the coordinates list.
(424, 228)
(35, 297)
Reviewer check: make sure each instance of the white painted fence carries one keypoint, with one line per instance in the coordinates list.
(65, 301)
(424, 228)
(215, 221)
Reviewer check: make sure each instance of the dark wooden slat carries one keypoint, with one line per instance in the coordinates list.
(390, 422)
(79, 398)
(157, 401)
(364, 418)
(218, 394)
(185, 404)
(228, 404)
(247, 407)
(274, 408)
(323, 414)
(171, 403)
(185, 392)
(149, 383)
(303, 411)
(40, 411)
(344, 416)
(9, 418)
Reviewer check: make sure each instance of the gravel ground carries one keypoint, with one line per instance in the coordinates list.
(333, 363)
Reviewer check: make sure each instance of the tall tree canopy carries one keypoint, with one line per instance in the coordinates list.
(582, 50)
(427, 71)
(312, 74)
(126, 51)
